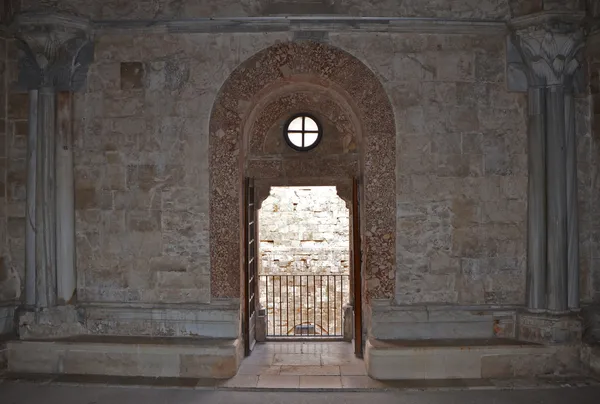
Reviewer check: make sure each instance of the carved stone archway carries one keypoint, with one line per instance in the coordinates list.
(249, 86)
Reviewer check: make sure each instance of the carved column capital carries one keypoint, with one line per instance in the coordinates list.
(55, 50)
(551, 52)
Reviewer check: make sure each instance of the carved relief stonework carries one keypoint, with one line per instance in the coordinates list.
(53, 53)
(551, 53)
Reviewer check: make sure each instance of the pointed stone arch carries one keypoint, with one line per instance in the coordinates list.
(303, 64)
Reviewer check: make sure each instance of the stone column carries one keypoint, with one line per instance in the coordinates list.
(30, 228)
(55, 52)
(65, 201)
(550, 52)
(557, 199)
(45, 214)
(572, 204)
(536, 206)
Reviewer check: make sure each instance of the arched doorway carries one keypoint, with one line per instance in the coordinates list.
(246, 142)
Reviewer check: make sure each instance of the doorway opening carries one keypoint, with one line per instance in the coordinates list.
(304, 265)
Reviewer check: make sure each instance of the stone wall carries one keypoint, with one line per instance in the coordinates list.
(461, 168)
(164, 9)
(304, 230)
(141, 164)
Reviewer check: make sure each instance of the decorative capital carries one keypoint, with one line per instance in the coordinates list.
(552, 54)
(55, 50)
(546, 50)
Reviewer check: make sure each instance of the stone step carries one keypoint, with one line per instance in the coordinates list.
(127, 356)
(464, 359)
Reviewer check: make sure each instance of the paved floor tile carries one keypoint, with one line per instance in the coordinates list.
(310, 370)
(339, 359)
(361, 382)
(320, 382)
(297, 359)
(278, 381)
(242, 381)
(356, 369)
(256, 359)
(258, 370)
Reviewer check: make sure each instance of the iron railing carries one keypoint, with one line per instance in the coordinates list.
(305, 306)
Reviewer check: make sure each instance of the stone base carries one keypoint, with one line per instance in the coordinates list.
(128, 356)
(465, 359)
(55, 322)
(3, 355)
(7, 319)
(590, 358)
(591, 323)
(543, 328)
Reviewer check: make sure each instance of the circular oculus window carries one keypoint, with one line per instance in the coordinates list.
(302, 132)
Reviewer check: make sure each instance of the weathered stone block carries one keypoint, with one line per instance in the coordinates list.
(549, 329)
(132, 75)
(18, 106)
(89, 198)
(217, 367)
(143, 221)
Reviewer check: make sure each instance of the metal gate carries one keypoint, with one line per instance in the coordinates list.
(305, 306)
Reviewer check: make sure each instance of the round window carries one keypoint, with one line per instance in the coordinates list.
(302, 132)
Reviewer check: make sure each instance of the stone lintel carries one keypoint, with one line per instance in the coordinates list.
(545, 18)
(307, 23)
(53, 21)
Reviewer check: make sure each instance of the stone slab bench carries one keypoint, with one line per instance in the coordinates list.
(127, 356)
(464, 359)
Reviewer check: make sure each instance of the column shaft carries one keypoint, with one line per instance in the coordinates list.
(30, 213)
(536, 205)
(46, 202)
(557, 199)
(65, 202)
(572, 204)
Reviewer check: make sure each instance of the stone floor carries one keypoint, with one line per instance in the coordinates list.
(56, 393)
(319, 365)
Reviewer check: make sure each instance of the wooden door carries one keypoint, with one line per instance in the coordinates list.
(357, 265)
(250, 272)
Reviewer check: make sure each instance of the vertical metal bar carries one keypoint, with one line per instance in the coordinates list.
(315, 304)
(294, 297)
(267, 298)
(307, 308)
(287, 304)
(280, 305)
(328, 328)
(321, 298)
(301, 330)
(342, 303)
(335, 304)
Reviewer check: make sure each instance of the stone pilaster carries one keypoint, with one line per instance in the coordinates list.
(550, 47)
(54, 54)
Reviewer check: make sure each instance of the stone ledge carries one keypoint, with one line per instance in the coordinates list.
(201, 358)
(435, 321)
(202, 321)
(471, 359)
